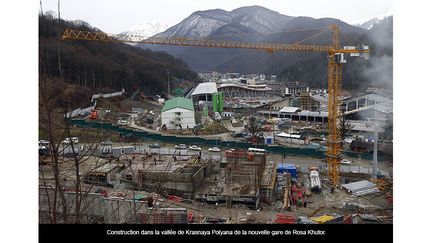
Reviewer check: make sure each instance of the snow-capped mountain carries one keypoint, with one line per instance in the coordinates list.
(200, 23)
(253, 19)
(145, 29)
(258, 24)
(248, 24)
(259, 19)
(372, 22)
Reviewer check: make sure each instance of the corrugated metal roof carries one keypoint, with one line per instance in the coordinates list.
(379, 98)
(288, 135)
(178, 102)
(383, 107)
(384, 92)
(322, 98)
(386, 108)
(289, 109)
(376, 97)
(205, 88)
(248, 87)
(313, 113)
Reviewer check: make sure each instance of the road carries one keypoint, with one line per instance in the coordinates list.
(221, 136)
(205, 154)
(357, 165)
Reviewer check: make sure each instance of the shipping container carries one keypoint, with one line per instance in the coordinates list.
(287, 168)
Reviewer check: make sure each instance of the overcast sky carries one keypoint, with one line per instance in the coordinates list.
(115, 16)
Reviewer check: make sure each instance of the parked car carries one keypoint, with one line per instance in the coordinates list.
(43, 143)
(181, 146)
(214, 149)
(194, 147)
(345, 162)
(154, 145)
(69, 140)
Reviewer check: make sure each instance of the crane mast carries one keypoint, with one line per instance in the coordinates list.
(335, 57)
(333, 142)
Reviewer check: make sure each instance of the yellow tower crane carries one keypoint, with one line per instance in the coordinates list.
(335, 55)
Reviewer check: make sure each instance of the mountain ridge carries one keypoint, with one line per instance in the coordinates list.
(146, 29)
(258, 24)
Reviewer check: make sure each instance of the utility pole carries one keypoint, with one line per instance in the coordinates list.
(168, 80)
(375, 152)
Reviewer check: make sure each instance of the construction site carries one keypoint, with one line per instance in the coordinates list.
(237, 186)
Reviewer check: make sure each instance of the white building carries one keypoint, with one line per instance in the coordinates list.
(178, 113)
(203, 93)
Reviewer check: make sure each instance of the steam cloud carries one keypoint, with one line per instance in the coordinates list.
(380, 69)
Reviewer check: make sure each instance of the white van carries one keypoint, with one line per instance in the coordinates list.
(257, 151)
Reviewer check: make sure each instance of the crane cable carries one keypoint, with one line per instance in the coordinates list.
(216, 36)
(311, 37)
(266, 33)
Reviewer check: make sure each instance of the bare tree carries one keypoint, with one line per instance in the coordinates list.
(253, 126)
(49, 95)
(54, 126)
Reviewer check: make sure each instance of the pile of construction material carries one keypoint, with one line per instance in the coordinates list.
(285, 219)
(328, 219)
(305, 220)
(361, 207)
(360, 188)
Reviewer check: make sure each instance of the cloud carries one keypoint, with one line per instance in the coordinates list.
(380, 71)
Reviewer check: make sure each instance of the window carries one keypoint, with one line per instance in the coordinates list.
(122, 151)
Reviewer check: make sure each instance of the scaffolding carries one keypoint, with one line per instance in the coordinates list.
(243, 174)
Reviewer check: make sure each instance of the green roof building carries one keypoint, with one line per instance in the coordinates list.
(178, 102)
(178, 113)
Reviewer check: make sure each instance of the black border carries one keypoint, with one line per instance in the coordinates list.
(333, 232)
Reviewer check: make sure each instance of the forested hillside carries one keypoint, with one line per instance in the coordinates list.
(103, 66)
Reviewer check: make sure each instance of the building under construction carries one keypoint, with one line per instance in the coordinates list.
(244, 178)
(179, 175)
